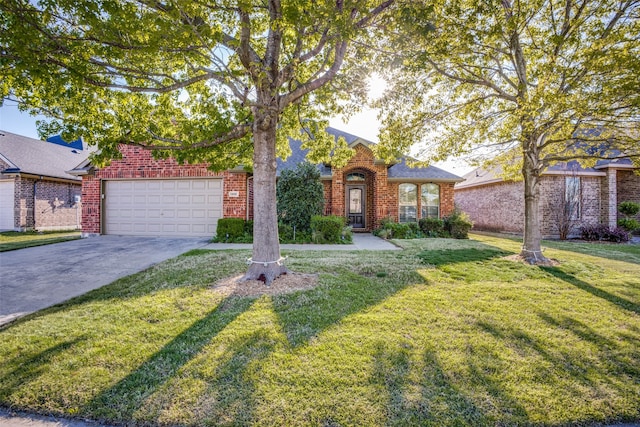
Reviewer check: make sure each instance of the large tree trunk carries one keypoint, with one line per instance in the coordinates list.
(266, 263)
(531, 249)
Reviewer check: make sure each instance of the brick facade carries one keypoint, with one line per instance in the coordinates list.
(500, 206)
(138, 163)
(44, 204)
(381, 194)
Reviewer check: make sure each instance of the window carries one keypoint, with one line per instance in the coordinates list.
(430, 201)
(572, 197)
(408, 201)
(356, 176)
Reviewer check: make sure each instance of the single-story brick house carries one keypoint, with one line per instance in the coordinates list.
(498, 205)
(139, 195)
(36, 192)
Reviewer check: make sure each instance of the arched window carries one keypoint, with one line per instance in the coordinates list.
(355, 176)
(430, 201)
(408, 202)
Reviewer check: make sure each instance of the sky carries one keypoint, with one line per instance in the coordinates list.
(365, 125)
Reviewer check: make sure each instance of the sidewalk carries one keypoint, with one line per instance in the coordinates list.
(361, 242)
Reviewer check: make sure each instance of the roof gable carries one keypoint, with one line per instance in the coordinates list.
(36, 157)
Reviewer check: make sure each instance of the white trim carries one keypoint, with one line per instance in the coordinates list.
(9, 162)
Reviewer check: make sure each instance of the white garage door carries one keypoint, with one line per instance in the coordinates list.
(6, 205)
(172, 207)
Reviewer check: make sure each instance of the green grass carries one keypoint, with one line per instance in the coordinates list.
(444, 333)
(12, 240)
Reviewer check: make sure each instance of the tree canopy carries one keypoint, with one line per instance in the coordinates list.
(224, 82)
(518, 82)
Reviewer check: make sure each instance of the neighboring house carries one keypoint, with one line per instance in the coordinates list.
(36, 192)
(139, 195)
(593, 195)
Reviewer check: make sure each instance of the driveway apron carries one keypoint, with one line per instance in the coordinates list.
(35, 278)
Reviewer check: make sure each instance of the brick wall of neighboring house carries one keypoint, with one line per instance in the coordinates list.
(53, 208)
(494, 207)
(551, 190)
(628, 188)
(57, 206)
(500, 206)
(326, 187)
(139, 163)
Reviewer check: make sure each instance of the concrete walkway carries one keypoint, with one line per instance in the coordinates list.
(361, 242)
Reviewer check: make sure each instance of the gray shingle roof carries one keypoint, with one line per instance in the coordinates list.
(402, 170)
(397, 171)
(36, 157)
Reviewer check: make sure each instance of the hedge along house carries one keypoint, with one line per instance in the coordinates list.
(567, 191)
(36, 191)
(140, 195)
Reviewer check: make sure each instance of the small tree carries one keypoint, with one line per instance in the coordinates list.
(300, 196)
(629, 210)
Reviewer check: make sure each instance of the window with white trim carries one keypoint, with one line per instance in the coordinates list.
(430, 201)
(408, 202)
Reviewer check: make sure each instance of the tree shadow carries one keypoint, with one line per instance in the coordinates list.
(454, 256)
(123, 399)
(600, 293)
(427, 397)
(304, 315)
(31, 368)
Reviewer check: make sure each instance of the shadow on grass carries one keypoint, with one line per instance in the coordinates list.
(304, 315)
(572, 280)
(123, 399)
(31, 368)
(454, 256)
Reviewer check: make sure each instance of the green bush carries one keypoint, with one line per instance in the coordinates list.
(229, 229)
(432, 227)
(629, 208)
(328, 229)
(393, 230)
(300, 195)
(458, 225)
(629, 224)
(248, 227)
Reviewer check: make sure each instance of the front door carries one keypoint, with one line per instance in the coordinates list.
(356, 206)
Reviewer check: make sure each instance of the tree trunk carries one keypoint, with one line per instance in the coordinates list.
(266, 263)
(531, 250)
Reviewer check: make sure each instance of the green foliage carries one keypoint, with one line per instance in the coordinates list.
(300, 196)
(629, 208)
(629, 224)
(229, 229)
(330, 229)
(432, 227)
(458, 224)
(390, 229)
(516, 80)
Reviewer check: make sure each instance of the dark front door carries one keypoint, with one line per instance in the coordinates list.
(356, 206)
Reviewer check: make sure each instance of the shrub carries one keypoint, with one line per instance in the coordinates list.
(629, 224)
(229, 229)
(300, 196)
(432, 227)
(601, 232)
(458, 224)
(248, 227)
(328, 229)
(629, 208)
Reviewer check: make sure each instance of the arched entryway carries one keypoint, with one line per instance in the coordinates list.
(359, 199)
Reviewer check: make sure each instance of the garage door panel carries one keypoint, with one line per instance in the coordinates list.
(189, 207)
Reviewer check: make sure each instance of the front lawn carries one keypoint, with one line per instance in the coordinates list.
(444, 333)
(11, 240)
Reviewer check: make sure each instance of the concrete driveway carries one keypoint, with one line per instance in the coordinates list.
(34, 278)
